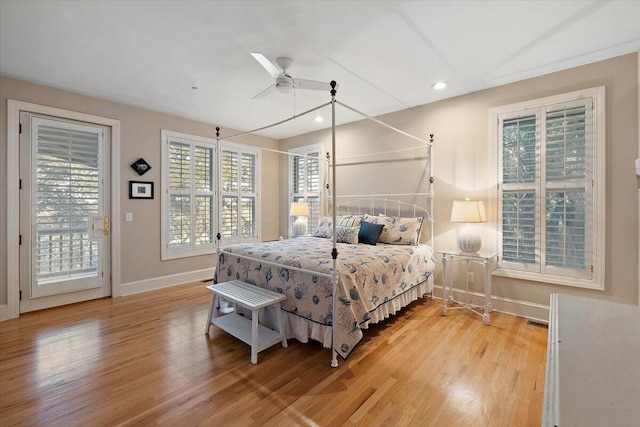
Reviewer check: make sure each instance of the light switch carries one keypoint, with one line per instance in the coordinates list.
(128, 217)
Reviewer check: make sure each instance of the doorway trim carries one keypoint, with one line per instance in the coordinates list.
(12, 310)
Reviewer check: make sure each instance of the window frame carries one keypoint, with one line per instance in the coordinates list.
(240, 149)
(302, 196)
(598, 220)
(167, 252)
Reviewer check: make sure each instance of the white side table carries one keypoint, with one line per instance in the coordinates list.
(483, 258)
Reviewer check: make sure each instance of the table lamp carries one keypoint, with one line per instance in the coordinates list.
(469, 211)
(300, 210)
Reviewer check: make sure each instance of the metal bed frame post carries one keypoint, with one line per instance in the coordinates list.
(431, 212)
(334, 251)
(218, 235)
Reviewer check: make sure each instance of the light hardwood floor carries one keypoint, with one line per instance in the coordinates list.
(145, 360)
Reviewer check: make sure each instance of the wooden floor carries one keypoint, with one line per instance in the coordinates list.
(145, 360)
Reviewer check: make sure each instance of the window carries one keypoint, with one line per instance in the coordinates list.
(305, 182)
(239, 194)
(188, 202)
(551, 189)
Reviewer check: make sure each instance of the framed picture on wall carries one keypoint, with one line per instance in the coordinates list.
(140, 190)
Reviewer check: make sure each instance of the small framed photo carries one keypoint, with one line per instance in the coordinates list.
(140, 190)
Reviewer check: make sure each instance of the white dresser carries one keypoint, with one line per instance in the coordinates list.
(593, 363)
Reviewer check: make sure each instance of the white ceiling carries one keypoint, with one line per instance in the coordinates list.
(385, 55)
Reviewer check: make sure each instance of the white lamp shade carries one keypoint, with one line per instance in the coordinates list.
(468, 211)
(299, 209)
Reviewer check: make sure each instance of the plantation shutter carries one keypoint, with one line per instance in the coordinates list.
(190, 196)
(179, 197)
(239, 195)
(305, 182)
(68, 175)
(547, 201)
(520, 240)
(569, 193)
(229, 198)
(204, 193)
(313, 190)
(248, 204)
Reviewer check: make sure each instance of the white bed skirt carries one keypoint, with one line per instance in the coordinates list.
(303, 330)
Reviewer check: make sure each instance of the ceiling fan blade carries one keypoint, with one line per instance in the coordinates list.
(265, 92)
(311, 84)
(268, 65)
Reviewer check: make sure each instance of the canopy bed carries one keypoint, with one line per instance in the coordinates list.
(364, 262)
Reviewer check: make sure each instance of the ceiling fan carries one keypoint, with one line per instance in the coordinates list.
(284, 82)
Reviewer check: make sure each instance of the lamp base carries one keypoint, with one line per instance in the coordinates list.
(469, 239)
(299, 227)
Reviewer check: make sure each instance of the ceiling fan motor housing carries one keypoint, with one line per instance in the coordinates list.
(284, 83)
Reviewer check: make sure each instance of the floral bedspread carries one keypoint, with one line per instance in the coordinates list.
(369, 276)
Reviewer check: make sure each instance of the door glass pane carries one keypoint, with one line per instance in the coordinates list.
(67, 177)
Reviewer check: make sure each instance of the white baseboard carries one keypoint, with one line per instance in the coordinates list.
(5, 313)
(165, 281)
(525, 309)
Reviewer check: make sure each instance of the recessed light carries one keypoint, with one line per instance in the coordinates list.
(439, 85)
(319, 119)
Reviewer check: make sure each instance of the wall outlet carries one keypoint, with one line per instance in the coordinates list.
(471, 277)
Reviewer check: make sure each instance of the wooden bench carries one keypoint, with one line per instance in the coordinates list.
(252, 298)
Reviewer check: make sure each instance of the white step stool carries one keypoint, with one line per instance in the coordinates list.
(252, 298)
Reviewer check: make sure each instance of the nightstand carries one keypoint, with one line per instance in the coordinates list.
(483, 258)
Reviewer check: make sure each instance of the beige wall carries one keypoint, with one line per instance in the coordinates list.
(140, 137)
(462, 168)
(462, 160)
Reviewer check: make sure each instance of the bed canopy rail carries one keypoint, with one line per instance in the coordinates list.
(380, 122)
(295, 116)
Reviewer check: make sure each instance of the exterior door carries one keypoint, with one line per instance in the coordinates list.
(64, 206)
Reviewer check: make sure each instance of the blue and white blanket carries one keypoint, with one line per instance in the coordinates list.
(368, 277)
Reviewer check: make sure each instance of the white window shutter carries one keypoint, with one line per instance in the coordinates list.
(550, 152)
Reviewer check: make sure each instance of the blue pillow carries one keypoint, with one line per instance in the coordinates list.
(369, 232)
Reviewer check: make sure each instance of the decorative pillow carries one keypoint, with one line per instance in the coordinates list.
(369, 232)
(347, 234)
(325, 228)
(348, 220)
(397, 230)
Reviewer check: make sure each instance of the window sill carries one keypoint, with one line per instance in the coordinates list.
(548, 279)
(177, 255)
